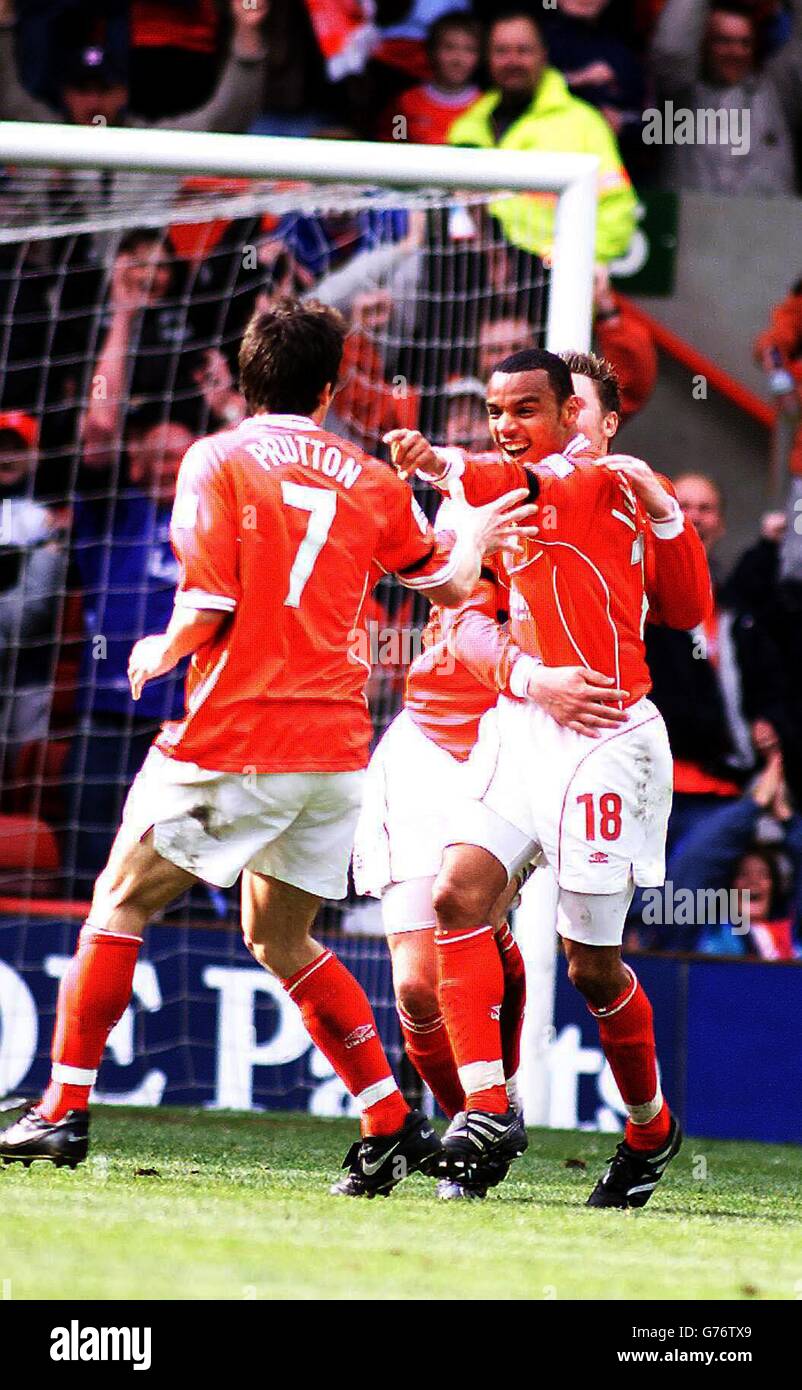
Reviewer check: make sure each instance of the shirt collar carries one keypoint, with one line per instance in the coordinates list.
(282, 422)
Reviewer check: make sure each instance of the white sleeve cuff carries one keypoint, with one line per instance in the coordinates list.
(198, 598)
(670, 527)
(454, 460)
(520, 673)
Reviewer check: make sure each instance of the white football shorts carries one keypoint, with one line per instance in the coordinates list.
(411, 787)
(597, 808)
(297, 827)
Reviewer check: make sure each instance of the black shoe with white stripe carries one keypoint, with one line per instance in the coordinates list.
(61, 1142)
(378, 1164)
(479, 1146)
(632, 1176)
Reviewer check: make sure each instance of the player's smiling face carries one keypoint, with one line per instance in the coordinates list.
(526, 420)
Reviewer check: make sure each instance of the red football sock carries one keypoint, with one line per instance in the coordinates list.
(339, 1020)
(94, 993)
(471, 989)
(429, 1050)
(512, 1006)
(626, 1032)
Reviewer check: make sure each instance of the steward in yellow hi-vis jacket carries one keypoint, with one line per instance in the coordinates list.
(556, 121)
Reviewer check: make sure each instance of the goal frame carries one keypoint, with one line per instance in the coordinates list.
(571, 177)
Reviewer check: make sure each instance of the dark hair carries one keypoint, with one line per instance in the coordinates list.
(733, 7)
(777, 895)
(453, 19)
(538, 359)
(289, 354)
(506, 16)
(601, 372)
(138, 236)
(145, 415)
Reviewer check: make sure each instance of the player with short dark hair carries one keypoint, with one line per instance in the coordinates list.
(288, 354)
(596, 812)
(280, 530)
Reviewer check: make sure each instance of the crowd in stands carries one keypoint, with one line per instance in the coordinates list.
(119, 348)
(574, 74)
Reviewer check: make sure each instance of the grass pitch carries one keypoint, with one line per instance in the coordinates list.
(189, 1204)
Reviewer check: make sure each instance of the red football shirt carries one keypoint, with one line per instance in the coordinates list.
(286, 527)
(430, 113)
(579, 592)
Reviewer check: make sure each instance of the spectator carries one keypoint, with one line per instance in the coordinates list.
(128, 574)
(758, 585)
(599, 67)
(33, 566)
(778, 350)
(173, 61)
(627, 343)
(704, 58)
(720, 689)
(148, 329)
(424, 114)
(93, 87)
(531, 108)
(297, 95)
(726, 851)
(374, 49)
(466, 415)
(366, 403)
(501, 334)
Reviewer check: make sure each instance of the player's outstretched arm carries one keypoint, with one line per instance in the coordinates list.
(154, 656)
(483, 478)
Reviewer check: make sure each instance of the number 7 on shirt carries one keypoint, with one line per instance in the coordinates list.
(321, 505)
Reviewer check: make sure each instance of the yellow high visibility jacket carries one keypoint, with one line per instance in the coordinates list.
(556, 121)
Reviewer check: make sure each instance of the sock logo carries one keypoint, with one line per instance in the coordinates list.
(362, 1034)
(495, 1012)
(76, 1343)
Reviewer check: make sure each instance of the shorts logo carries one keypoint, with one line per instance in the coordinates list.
(598, 857)
(360, 1035)
(495, 1012)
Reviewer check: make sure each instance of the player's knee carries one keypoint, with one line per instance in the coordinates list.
(257, 949)
(456, 905)
(591, 972)
(417, 996)
(583, 973)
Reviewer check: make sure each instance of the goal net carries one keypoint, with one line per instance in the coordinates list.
(124, 292)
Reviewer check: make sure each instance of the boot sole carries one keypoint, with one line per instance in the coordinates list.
(27, 1159)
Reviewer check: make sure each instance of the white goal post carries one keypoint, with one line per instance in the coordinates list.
(571, 177)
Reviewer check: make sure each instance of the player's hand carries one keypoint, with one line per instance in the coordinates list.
(577, 698)
(645, 484)
(498, 525)
(133, 284)
(411, 452)
(248, 38)
(773, 526)
(150, 658)
(249, 14)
